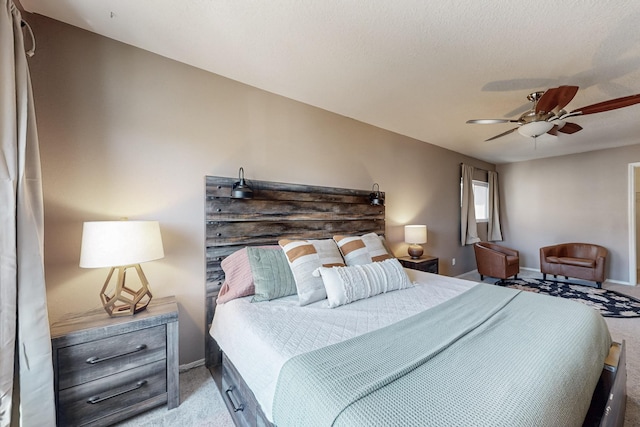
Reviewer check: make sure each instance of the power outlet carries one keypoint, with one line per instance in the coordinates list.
(453, 261)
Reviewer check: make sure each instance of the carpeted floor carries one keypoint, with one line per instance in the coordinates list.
(202, 406)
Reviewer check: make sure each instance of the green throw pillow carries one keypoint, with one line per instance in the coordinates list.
(272, 275)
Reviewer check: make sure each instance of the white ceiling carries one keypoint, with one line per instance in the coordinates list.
(416, 67)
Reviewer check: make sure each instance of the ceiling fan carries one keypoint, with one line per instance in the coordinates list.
(549, 116)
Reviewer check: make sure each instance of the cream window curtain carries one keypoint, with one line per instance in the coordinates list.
(26, 374)
(468, 226)
(494, 233)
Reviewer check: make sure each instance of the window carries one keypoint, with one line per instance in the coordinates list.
(480, 198)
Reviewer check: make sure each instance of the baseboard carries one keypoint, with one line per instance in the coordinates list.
(618, 282)
(537, 270)
(188, 366)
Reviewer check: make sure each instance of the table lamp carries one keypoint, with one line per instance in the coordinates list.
(121, 245)
(415, 235)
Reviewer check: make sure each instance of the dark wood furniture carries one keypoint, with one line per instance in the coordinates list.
(428, 263)
(277, 211)
(107, 368)
(609, 400)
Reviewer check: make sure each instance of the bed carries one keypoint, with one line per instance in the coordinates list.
(580, 376)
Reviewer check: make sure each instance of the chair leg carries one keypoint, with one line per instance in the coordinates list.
(481, 277)
(515, 276)
(566, 278)
(599, 284)
(544, 276)
(555, 276)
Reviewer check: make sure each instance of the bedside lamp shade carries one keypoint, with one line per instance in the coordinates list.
(120, 245)
(116, 243)
(415, 235)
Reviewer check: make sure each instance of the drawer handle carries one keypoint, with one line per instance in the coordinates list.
(240, 407)
(93, 360)
(97, 399)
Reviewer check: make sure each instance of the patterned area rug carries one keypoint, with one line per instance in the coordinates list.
(609, 303)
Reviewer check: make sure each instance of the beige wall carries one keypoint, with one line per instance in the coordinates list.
(576, 198)
(125, 132)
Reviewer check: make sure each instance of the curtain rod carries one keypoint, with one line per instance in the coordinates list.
(484, 170)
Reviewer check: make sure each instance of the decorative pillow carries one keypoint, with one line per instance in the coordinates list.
(362, 250)
(272, 276)
(238, 279)
(304, 256)
(348, 284)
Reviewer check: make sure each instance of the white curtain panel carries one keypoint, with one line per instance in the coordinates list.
(468, 226)
(26, 373)
(494, 232)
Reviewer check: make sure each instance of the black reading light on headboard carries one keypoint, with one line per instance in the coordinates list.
(241, 189)
(376, 198)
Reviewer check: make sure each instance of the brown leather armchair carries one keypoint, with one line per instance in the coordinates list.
(580, 260)
(496, 261)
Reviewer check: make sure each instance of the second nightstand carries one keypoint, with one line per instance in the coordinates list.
(427, 263)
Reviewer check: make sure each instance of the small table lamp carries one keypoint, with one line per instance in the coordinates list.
(415, 235)
(121, 245)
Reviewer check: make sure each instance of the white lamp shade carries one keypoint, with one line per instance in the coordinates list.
(535, 129)
(120, 243)
(415, 234)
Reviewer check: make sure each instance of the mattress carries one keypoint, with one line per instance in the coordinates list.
(280, 329)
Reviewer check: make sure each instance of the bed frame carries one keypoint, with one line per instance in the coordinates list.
(297, 211)
(276, 211)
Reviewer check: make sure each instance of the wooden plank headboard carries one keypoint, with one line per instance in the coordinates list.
(277, 211)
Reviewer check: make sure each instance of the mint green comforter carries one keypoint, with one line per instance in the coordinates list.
(489, 357)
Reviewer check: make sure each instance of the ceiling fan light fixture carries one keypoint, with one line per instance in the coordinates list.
(535, 129)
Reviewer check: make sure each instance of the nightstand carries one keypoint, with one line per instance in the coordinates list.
(107, 368)
(427, 263)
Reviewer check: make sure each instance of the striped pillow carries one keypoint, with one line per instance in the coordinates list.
(304, 256)
(362, 250)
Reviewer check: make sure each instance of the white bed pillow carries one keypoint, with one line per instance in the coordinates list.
(304, 256)
(344, 285)
(357, 250)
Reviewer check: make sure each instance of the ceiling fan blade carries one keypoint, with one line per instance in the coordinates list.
(565, 95)
(570, 128)
(548, 101)
(554, 130)
(490, 121)
(612, 104)
(502, 134)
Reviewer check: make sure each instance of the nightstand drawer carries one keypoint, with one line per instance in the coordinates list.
(96, 399)
(89, 361)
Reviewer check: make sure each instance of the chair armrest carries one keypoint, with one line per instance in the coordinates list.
(502, 249)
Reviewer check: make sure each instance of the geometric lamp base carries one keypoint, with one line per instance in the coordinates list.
(124, 300)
